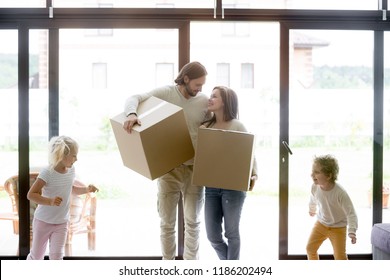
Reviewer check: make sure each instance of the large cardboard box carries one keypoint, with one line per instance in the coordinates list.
(223, 159)
(161, 143)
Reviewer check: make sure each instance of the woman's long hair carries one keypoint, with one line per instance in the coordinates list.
(230, 108)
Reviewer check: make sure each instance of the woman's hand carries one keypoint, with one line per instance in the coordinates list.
(252, 182)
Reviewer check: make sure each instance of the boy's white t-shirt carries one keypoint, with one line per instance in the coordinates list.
(335, 207)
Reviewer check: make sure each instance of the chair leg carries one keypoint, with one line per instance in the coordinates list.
(68, 245)
(91, 240)
(16, 226)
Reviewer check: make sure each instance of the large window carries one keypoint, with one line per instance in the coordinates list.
(325, 78)
(94, 84)
(38, 117)
(9, 135)
(102, 59)
(258, 110)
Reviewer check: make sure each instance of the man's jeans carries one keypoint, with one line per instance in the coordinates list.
(170, 186)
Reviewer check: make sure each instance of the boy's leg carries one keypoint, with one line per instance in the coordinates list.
(338, 238)
(317, 237)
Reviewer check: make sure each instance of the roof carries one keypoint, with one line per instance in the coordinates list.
(305, 41)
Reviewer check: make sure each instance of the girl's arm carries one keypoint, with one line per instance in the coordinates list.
(35, 194)
(80, 188)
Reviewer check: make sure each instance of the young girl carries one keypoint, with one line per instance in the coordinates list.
(52, 191)
(224, 206)
(335, 210)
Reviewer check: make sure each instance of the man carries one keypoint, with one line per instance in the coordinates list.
(186, 94)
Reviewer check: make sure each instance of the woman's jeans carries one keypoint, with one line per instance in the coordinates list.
(224, 207)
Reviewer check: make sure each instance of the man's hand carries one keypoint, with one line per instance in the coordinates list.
(131, 121)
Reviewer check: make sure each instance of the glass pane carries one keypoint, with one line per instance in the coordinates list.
(38, 114)
(22, 3)
(302, 4)
(386, 133)
(258, 109)
(8, 137)
(38, 97)
(129, 61)
(136, 3)
(331, 112)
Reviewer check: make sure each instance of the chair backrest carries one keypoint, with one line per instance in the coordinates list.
(11, 186)
(81, 207)
(82, 212)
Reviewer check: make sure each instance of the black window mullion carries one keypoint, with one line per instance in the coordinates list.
(53, 82)
(378, 126)
(284, 136)
(23, 142)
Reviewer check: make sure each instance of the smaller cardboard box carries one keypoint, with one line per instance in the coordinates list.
(223, 159)
(161, 143)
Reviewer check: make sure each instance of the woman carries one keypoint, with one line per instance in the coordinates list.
(224, 206)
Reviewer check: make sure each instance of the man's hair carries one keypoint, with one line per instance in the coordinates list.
(192, 70)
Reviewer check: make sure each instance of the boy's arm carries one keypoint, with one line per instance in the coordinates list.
(312, 202)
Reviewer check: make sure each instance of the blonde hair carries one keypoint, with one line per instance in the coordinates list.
(59, 147)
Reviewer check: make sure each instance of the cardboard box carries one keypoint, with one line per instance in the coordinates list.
(223, 159)
(161, 143)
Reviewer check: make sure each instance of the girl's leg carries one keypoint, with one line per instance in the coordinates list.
(41, 235)
(317, 237)
(57, 241)
(338, 238)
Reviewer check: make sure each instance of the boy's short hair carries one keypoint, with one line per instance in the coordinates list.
(329, 165)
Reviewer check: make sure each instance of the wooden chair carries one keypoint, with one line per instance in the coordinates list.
(82, 213)
(10, 216)
(82, 220)
(11, 186)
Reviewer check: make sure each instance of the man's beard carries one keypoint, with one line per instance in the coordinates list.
(189, 91)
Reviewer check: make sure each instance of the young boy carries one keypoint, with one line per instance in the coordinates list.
(335, 210)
